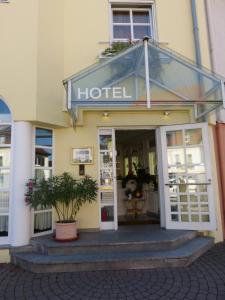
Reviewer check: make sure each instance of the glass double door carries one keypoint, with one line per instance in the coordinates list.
(185, 178)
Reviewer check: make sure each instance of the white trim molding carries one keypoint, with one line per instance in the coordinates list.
(135, 2)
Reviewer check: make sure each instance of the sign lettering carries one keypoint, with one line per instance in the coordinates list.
(96, 93)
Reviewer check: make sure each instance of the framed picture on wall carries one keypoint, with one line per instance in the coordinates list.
(82, 156)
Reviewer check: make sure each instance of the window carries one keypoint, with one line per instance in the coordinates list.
(43, 153)
(5, 163)
(131, 23)
(42, 220)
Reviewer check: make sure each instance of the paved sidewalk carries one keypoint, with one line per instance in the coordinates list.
(204, 279)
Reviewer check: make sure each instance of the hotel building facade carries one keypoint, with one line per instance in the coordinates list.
(68, 106)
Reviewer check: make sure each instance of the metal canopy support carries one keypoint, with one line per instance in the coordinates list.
(73, 114)
(147, 82)
(69, 98)
(147, 65)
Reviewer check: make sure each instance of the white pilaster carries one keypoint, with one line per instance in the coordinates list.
(21, 172)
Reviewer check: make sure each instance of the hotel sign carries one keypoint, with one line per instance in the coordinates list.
(105, 93)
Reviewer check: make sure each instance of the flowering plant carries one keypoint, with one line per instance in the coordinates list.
(61, 192)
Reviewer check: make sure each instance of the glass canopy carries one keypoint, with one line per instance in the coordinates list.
(146, 75)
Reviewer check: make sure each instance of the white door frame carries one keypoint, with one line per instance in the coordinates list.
(164, 176)
(160, 178)
(110, 225)
(42, 211)
(160, 175)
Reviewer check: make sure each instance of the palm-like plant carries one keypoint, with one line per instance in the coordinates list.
(65, 194)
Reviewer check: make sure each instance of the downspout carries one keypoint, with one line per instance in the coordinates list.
(196, 33)
(211, 49)
(198, 56)
(209, 31)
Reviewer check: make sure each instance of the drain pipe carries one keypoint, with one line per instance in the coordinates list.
(196, 33)
(219, 117)
(197, 49)
(209, 31)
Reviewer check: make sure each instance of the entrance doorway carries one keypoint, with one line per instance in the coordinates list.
(136, 177)
(156, 175)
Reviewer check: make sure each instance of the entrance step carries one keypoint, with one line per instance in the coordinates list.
(183, 255)
(116, 242)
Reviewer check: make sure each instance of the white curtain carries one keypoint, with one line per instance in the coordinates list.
(42, 221)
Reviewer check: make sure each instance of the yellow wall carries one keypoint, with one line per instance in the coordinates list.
(18, 57)
(87, 30)
(50, 90)
(4, 256)
(86, 24)
(42, 46)
(174, 23)
(31, 60)
(87, 135)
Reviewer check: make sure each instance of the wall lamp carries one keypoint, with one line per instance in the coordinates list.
(105, 114)
(166, 113)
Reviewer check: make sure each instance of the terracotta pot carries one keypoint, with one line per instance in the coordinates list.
(66, 231)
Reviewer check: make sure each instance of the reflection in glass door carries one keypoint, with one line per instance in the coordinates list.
(107, 185)
(42, 217)
(187, 177)
(5, 162)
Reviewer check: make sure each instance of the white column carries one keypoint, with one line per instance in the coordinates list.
(21, 172)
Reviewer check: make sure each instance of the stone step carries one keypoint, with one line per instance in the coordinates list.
(182, 256)
(117, 243)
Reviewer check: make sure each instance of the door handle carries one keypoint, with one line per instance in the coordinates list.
(191, 183)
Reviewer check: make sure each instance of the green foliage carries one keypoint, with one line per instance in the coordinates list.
(117, 47)
(63, 193)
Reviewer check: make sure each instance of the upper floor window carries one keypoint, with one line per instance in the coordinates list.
(131, 23)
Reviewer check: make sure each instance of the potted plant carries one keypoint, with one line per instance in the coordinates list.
(116, 48)
(66, 195)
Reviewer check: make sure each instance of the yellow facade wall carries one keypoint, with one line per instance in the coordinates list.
(31, 60)
(50, 90)
(174, 26)
(86, 25)
(4, 256)
(42, 46)
(18, 57)
(87, 30)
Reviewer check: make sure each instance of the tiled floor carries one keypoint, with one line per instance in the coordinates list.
(204, 279)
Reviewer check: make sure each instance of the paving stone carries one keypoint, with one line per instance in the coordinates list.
(204, 279)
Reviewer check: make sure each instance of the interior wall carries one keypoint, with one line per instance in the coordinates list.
(135, 143)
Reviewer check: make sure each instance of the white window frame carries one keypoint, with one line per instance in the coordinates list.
(111, 225)
(132, 8)
(169, 224)
(34, 167)
(6, 239)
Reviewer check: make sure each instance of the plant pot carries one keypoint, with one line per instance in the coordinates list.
(66, 231)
